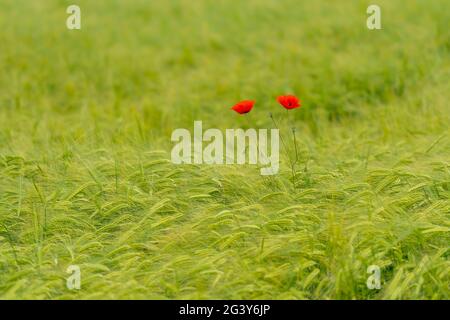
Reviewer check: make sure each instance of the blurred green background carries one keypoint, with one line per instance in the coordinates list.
(85, 123)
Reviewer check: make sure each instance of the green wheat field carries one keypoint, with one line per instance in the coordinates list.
(86, 179)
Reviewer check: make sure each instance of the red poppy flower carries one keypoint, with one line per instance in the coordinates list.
(289, 102)
(243, 106)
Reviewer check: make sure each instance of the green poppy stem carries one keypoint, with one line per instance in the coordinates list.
(285, 149)
(294, 136)
(293, 129)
